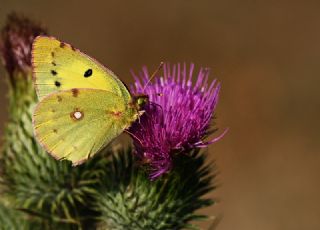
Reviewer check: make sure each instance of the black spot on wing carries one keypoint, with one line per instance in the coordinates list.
(57, 83)
(53, 63)
(88, 73)
(53, 72)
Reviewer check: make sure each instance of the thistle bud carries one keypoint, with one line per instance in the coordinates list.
(16, 43)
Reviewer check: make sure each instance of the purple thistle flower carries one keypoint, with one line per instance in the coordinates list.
(177, 119)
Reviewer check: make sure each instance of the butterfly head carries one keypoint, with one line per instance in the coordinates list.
(140, 100)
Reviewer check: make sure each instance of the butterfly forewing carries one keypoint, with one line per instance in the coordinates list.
(59, 66)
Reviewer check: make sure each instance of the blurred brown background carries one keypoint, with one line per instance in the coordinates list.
(267, 56)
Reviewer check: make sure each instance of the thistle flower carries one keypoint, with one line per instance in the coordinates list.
(16, 43)
(177, 119)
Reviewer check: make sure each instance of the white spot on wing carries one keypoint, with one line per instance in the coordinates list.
(77, 115)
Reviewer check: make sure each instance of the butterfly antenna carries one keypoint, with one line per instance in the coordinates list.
(153, 75)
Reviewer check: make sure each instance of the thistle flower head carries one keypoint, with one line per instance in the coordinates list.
(16, 42)
(177, 118)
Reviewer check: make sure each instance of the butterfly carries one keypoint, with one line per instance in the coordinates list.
(82, 105)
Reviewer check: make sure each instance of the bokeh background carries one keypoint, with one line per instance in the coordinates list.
(266, 55)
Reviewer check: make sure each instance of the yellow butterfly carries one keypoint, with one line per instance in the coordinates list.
(83, 105)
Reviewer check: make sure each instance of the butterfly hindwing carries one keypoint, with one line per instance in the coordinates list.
(74, 124)
(59, 66)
